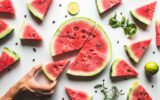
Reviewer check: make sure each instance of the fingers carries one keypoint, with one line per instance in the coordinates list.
(35, 69)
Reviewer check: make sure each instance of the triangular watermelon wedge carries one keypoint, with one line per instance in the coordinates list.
(158, 33)
(6, 6)
(136, 50)
(78, 95)
(53, 70)
(39, 8)
(120, 68)
(104, 5)
(29, 33)
(137, 92)
(145, 13)
(8, 57)
(5, 29)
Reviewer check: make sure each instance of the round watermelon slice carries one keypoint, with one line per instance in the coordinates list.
(120, 68)
(5, 29)
(94, 55)
(6, 6)
(71, 35)
(53, 70)
(8, 57)
(39, 8)
(136, 50)
(78, 95)
(145, 13)
(137, 92)
(158, 33)
(104, 5)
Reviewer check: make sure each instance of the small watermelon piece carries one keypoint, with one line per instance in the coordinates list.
(71, 35)
(53, 70)
(136, 50)
(158, 33)
(6, 6)
(39, 8)
(120, 68)
(145, 13)
(78, 95)
(5, 29)
(8, 57)
(104, 5)
(137, 92)
(29, 33)
(94, 55)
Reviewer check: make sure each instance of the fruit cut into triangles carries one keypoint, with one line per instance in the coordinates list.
(158, 33)
(6, 6)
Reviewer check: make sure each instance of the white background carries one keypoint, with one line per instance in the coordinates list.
(47, 29)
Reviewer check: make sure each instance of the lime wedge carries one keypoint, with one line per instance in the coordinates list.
(73, 8)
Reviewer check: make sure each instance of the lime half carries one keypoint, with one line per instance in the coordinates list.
(151, 68)
(73, 8)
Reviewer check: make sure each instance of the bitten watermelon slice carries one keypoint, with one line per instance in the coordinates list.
(136, 50)
(104, 5)
(39, 8)
(94, 56)
(78, 95)
(137, 92)
(158, 33)
(8, 57)
(29, 33)
(5, 29)
(144, 13)
(120, 68)
(53, 70)
(71, 35)
(6, 6)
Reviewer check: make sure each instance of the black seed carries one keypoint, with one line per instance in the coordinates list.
(60, 5)
(95, 91)
(53, 22)
(65, 16)
(154, 52)
(152, 86)
(103, 80)
(8, 69)
(34, 49)
(16, 43)
(25, 16)
(62, 98)
(33, 60)
(117, 42)
(121, 13)
(125, 79)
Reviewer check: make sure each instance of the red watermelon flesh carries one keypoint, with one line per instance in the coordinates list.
(77, 95)
(29, 33)
(158, 33)
(6, 6)
(53, 70)
(3, 26)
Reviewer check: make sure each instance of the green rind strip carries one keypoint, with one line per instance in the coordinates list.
(132, 89)
(6, 32)
(99, 7)
(113, 67)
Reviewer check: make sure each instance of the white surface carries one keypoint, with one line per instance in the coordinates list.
(88, 9)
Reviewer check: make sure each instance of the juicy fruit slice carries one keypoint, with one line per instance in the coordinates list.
(8, 57)
(104, 5)
(158, 33)
(78, 95)
(120, 68)
(136, 50)
(71, 35)
(144, 13)
(6, 6)
(73, 8)
(29, 33)
(53, 70)
(39, 8)
(137, 92)
(5, 29)
(94, 56)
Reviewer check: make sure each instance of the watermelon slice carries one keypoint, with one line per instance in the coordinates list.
(6, 6)
(136, 50)
(39, 8)
(29, 33)
(8, 57)
(104, 5)
(158, 33)
(145, 13)
(5, 29)
(137, 92)
(53, 70)
(78, 95)
(120, 68)
(94, 56)
(71, 35)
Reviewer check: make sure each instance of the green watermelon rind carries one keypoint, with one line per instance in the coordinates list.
(62, 25)
(34, 11)
(6, 32)
(99, 7)
(113, 67)
(104, 65)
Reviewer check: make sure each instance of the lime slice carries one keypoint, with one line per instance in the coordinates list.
(73, 8)
(151, 68)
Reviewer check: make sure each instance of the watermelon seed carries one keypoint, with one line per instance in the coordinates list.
(152, 86)
(117, 42)
(121, 13)
(143, 47)
(98, 45)
(128, 70)
(103, 80)
(33, 35)
(91, 50)
(94, 36)
(62, 98)
(83, 36)
(25, 16)
(76, 28)
(83, 31)
(53, 22)
(16, 43)
(74, 34)
(95, 91)
(34, 49)
(154, 52)
(33, 60)
(60, 5)
(65, 16)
